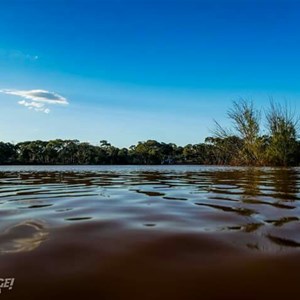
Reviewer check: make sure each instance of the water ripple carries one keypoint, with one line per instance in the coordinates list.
(251, 201)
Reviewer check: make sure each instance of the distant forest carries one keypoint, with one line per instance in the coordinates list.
(246, 143)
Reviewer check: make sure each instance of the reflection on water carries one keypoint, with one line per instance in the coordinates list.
(260, 203)
(22, 237)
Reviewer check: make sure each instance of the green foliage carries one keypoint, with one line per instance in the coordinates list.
(246, 121)
(282, 127)
(7, 153)
(75, 152)
(280, 147)
(226, 150)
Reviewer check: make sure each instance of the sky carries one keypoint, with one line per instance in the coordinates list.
(129, 71)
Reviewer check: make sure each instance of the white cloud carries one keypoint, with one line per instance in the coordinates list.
(38, 100)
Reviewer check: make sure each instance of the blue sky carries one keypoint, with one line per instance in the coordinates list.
(128, 71)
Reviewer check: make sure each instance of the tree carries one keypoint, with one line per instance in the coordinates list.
(7, 153)
(224, 150)
(282, 126)
(246, 122)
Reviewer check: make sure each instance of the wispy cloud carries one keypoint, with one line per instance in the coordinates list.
(38, 100)
(17, 55)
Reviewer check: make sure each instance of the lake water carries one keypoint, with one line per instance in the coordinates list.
(149, 232)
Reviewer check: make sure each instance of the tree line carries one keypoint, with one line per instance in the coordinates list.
(247, 142)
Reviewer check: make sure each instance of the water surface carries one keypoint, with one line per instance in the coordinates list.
(159, 232)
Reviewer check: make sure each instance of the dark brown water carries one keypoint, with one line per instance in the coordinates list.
(150, 232)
